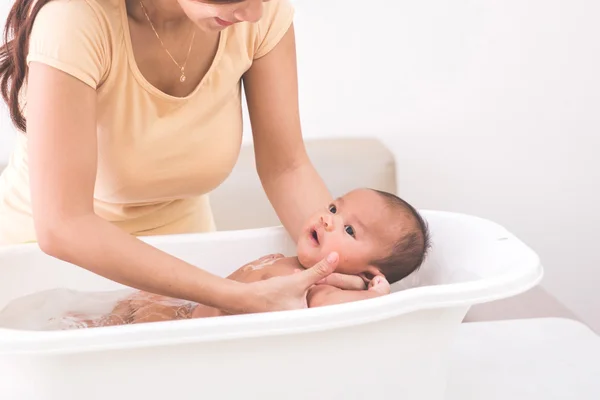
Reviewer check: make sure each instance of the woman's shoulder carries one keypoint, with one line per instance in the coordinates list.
(260, 37)
(95, 15)
(107, 5)
(76, 36)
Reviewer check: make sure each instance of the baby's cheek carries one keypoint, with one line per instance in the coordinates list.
(336, 245)
(302, 256)
(305, 256)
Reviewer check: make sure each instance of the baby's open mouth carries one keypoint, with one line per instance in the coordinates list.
(314, 235)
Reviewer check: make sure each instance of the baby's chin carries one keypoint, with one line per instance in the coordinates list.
(307, 257)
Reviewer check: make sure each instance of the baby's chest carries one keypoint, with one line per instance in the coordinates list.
(258, 271)
(281, 268)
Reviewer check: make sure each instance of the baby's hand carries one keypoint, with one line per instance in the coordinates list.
(379, 285)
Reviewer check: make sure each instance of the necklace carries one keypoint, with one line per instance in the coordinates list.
(181, 67)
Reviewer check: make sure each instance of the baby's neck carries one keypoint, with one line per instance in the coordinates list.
(299, 264)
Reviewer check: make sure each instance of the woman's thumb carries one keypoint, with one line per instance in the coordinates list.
(321, 270)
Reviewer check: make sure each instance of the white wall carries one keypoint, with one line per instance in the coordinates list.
(491, 107)
(7, 133)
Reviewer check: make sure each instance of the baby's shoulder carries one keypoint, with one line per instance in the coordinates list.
(288, 262)
(281, 267)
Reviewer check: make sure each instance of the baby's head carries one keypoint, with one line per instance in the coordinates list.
(374, 233)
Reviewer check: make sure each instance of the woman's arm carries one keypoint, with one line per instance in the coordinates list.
(326, 295)
(289, 179)
(291, 183)
(61, 129)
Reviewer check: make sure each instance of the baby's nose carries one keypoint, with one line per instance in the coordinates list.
(327, 221)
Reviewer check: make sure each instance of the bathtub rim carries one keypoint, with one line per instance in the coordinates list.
(443, 296)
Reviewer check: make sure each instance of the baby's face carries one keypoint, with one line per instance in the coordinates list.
(359, 226)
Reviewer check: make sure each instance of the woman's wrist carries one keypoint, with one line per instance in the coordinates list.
(227, 295)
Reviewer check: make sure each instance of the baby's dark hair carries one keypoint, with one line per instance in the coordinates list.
(410, 250)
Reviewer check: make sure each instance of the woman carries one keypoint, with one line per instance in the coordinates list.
(132, 114)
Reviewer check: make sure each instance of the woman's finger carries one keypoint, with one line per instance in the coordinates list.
(344, 282)
(319, 271)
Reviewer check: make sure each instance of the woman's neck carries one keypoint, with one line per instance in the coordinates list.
(164, 14)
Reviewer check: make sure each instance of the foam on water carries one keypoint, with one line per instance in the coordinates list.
(55, 309)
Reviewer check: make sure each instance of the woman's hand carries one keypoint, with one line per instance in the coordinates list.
(326, 295)
(287, 292)
(344, 282)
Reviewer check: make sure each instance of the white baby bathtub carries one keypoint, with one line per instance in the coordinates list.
(391, 347)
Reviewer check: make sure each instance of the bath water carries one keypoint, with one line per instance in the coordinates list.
(59, 309)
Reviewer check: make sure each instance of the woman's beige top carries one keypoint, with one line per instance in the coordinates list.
(159, 155)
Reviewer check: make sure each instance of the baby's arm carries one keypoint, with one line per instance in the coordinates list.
(325, 295)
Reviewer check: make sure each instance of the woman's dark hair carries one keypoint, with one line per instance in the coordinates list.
(13, 53)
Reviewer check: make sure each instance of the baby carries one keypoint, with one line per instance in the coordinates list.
(378, 237)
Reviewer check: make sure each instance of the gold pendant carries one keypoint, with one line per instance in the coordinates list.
(182, 77)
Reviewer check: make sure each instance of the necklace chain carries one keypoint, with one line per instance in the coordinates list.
(182, 78)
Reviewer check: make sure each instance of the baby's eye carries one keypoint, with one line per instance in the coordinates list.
(349, 230)
(332, 209)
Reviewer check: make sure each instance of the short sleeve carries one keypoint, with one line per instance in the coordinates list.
(277, 19)
(70, 35)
